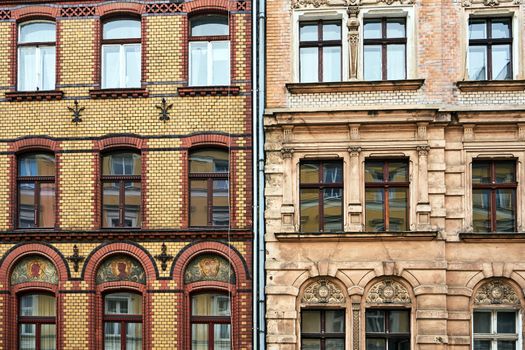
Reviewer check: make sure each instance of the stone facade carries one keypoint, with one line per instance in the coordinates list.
(436, 121)
(153, 257)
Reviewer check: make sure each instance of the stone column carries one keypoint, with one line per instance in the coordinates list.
(287, 208)
(423, 205)
(353, 40)
(354, 204)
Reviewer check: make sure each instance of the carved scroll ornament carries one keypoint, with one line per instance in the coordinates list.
(388, 291)
(323, 291)
(496, 292)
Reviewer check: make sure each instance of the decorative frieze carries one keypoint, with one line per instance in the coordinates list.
(209, 267)
(323, 291)
(77, 11)
(388, 291)
(496, 292)
(34, 269)
(5, 15)
(490, 3)
(164, 8)
(121, 268)
(351, 3)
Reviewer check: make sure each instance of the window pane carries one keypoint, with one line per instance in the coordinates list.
(110, 204)
(47, 337)
(221, 203)
(27, 69)
(48, 67)
(372, 30)
(334, 321)
(506, 322)
(221, 62)
(27, 337)
(132, 53)
(39, 305)
(477, 29)
(36, 165)
(333, 209)
(397, 171)
(199, 203)
(221, 337)
(375, 344)
(46, 212)
(199, 337)
(209, 25)
(480, 210)
(122, 29)
(308, 32)
(505, 210)
(334, 344)
(198, 63)
(309, 62)
(482, 345)
(399, 343)
(122, 163)
(374, 171)
(481, 173)
(375, 321)
(26, 204)
(395, 28)
(332, 31)
(399, 321)
(311, 344)
(309, 199)
(500, 28)
(506, 345)
(112, 336)
(505, 171)
(134, 336)
(310, 321)
(397, 200)
(482, 322)
(373, 62)
(375, 206)
(309, 173)
(123, 304)
(132, 214)
(332, 172)
(501, 62)
(111, 66)
(477, 63)
(37, 32)
(395, 62)
(209, 161)
(209, 304)
(332, 63)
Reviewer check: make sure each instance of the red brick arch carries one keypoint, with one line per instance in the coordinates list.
(206, 5)
(112, 142)
(206, 140)
(34, 12)
(34, 143)
(119, 7)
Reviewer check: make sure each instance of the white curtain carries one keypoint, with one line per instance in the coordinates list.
(198, 63)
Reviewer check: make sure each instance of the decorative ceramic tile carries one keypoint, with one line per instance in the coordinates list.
(34, 268)
(209, 267)
(121, 268)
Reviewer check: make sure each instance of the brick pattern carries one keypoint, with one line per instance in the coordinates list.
(77, 11)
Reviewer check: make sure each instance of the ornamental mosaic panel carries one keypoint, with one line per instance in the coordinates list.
(323, 292)
(496, 292)
(209, 267)
(121, 268)
(34, 269)
(388, 291)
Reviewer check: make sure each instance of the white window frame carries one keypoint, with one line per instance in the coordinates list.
(209, 63)
(122, 66)
(494, 337)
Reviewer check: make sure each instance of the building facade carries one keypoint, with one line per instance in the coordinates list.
(125, 169)
(395, 143)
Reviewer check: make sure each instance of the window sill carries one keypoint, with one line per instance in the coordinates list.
(353, 86)
(118, 93)
(492, 237)
(208, 91)
(357, 236)
(491, 85)
(47, 95)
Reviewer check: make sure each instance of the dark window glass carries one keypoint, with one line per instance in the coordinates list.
(36, 190)
(321, 196)
(209, 188)
(123, 321)
(210, 322)
(494, 196)
(490, 49)
(37, 322)
(386, 192)
(495, 330)
(384, 48)
(387, 329)
(320, 51)
(322, 329)
(121, 190)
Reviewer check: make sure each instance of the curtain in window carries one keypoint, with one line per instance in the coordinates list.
(132, 53)
(111, 66)
(198, 63)
(48, 67)
(220, 62)
(27, 74)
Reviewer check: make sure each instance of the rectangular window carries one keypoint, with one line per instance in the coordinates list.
(322, 329)
(490, 49)
(495, 330)
(494, 196)
(321, 196)
(387, 330)
(384, 46)
(320, 51)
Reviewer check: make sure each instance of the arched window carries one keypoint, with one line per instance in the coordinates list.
(209, 188)
(36, 56)
(209, 50)
(36, 190)
(123, 321)
(210, 322)
(121, 189)
(121, 53)
(37, 322)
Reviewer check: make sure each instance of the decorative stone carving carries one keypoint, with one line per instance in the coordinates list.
(423, 150)
(354, 131)
(491, 3)
(353, 38)
(379, 2)
(354, 3)
(34, 269)
(496, 292)
(309, 3)
(323, 291)
(356, 309)
(120, 268)
(388, 291)
(287, 153)
(209, 267)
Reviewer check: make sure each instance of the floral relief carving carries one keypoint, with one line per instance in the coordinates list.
(309, 3)
(209, 267)
(121, 268)
(323, 291)
(496, 292)
(491, 3)
(388, 291)
(34, 269)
